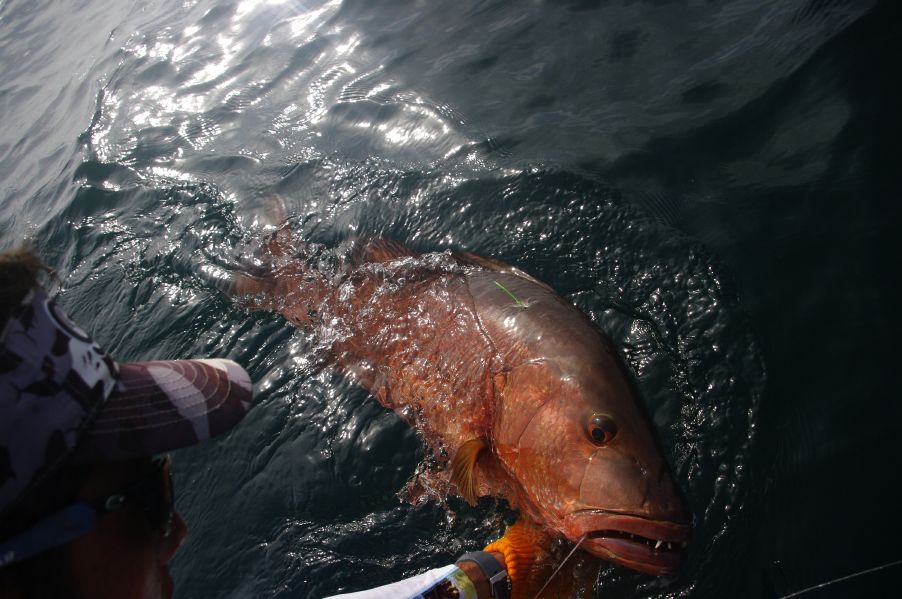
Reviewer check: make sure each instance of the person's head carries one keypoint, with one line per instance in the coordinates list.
(86, 509)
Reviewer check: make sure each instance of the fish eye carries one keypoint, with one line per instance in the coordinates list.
(601, 429)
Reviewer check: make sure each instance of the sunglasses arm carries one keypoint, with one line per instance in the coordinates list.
(57, 529)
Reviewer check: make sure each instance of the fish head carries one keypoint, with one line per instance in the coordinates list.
(569, 429)
(588, 464)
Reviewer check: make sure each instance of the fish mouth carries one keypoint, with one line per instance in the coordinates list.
(651, 546)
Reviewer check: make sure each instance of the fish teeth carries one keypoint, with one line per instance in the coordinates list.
(658, 544)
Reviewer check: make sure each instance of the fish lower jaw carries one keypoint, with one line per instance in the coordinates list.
(640, 555)
(650, 546)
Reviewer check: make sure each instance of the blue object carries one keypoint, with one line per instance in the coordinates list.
(57, 529)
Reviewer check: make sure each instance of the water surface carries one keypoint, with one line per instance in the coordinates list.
(713, 183)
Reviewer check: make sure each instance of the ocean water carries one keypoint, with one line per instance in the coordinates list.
(714, 183)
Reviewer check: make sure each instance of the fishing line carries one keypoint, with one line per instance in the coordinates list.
(842, 578)
(561, 565)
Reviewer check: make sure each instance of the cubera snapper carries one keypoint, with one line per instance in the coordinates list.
(515, 391)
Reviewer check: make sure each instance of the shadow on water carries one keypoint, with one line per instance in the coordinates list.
(830, 413)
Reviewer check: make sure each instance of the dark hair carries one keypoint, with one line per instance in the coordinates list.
(20, 270)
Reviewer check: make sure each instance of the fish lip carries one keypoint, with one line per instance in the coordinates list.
(637, 552)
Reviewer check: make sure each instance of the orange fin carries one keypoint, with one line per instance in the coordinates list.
(526, 550)
(531, 564)
(463, 469)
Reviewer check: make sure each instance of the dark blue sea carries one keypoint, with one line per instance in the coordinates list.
(715, 183)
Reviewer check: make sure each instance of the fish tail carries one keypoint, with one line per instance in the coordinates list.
(252, 292)
(281, 242)
(296, 290)
(272, 215)
(255, 284)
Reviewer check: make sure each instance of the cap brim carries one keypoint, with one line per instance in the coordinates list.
(160, 406)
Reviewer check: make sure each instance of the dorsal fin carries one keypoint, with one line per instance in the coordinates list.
(463, 468)
(377, 249)
(468, 258)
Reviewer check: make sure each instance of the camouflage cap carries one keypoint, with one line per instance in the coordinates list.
(63, 399)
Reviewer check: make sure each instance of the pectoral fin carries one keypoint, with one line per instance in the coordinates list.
(532, 567)
(463, 469)
(526, 549)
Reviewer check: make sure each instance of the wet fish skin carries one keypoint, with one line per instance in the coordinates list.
(470, 350)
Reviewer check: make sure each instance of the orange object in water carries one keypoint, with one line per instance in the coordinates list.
(515, 391)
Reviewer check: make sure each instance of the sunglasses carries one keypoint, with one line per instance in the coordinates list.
(152, 493)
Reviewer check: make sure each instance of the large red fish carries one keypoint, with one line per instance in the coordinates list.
(515, 391)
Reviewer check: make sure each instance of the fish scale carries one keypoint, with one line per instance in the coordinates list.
(517, 393)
